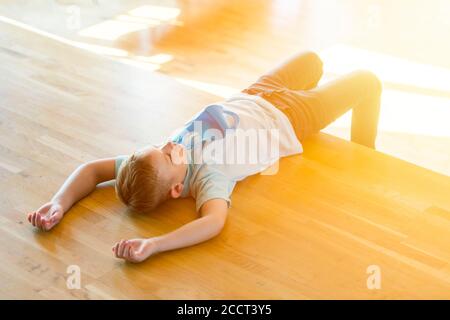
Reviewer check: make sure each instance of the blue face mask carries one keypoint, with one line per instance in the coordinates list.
(212, 117)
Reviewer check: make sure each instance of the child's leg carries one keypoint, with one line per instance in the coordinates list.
(309, 111)
(359, 91)
(302, 71)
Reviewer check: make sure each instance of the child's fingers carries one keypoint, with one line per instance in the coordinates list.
(33, 219)
(29, 216)
(51, 221)
(39, 221)
(126, 245)
(121, 248)
(125, 250)
(116, 250)
(129, 252)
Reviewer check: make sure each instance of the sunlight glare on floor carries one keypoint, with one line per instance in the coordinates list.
(140, 64)
(112, 29)
(160, 13)
(215, 89)
(159, 58)
(128, 18)
(140, 18)
(149, 63)
(101, 50)
(97, 49)
(340, 59)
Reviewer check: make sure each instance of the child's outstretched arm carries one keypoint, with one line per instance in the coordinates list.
(78, 185)
(213, 212)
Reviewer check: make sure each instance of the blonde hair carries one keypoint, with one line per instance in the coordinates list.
(139, 185)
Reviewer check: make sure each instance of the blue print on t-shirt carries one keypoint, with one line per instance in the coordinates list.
(212, 118)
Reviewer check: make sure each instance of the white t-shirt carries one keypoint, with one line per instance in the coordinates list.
(216, 176)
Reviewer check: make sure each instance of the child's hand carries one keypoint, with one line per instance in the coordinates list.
(47, 216)
(135, 250)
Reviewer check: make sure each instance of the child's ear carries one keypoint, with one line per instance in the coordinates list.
(176, 190)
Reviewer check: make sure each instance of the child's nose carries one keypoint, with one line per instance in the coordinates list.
(169, 146)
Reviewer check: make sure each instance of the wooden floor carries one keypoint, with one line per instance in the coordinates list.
(309, 232)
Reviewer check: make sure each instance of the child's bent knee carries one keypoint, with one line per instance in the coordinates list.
(371, 80)
(315, 59)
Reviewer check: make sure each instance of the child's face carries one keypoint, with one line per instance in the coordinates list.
(170, 159)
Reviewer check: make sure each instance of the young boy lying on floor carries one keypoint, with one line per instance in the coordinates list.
(285, 104)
